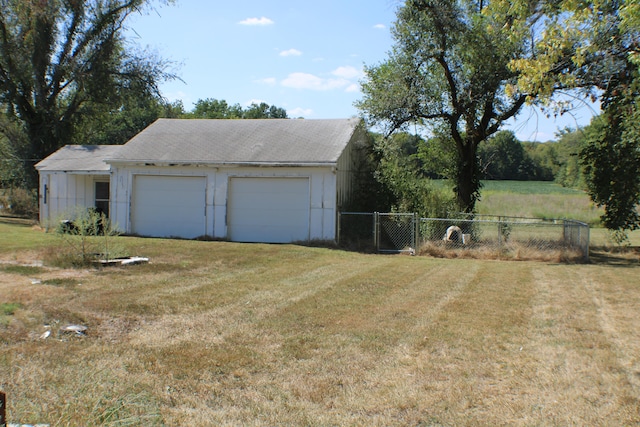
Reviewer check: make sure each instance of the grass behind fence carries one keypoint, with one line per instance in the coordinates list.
(537, 199)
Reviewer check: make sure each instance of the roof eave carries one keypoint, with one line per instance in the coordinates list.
(77, 172)
(220, 164)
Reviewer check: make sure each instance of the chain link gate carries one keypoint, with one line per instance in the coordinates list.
(396, 232)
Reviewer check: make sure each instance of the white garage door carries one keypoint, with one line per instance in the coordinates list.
(168, 206)
(273, 210)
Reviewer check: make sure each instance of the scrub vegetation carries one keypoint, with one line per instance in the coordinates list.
(220, 333)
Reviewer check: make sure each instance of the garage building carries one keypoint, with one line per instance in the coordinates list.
(273, 180)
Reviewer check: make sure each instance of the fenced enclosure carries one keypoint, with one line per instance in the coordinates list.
(505, 236)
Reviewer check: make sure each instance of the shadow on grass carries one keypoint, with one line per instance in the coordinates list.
(15, 220)
(620, 257)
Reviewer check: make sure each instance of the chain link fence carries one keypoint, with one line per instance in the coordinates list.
(477, 236)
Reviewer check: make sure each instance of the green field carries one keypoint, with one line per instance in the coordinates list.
(527, 187)
(537, 199)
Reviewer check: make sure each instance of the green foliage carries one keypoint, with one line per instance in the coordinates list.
(612, 168)
(20, 202)
(437, 157)
(593, 48)
(503, 157)
(211, 108)
(215, 109)
(264, 111)
(576, 44)
(371, 193)
(14, 146)
(570, 172)
(63, 64)
(401, 173)
(544, 158)
(391, 177)
(101, 125)
(448, 72)
(86, 238)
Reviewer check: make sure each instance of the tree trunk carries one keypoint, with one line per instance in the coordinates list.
(467, 177)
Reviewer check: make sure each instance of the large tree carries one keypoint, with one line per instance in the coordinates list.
(63, 60)
(448, 71)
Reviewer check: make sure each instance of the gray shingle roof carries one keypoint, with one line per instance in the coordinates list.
(272, 141)
(79, 158)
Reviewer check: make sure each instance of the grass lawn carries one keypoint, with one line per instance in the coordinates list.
(219, 333)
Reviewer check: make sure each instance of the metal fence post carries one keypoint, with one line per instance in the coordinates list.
(375, 231)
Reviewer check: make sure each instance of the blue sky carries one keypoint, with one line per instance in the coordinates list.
(306, 57)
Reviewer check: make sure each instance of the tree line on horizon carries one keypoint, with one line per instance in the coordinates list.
(502, 157)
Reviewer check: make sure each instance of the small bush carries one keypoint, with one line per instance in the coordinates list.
(20, 202)
(85, 238)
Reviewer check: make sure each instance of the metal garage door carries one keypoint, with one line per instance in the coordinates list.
(273, 210)
(168, 206)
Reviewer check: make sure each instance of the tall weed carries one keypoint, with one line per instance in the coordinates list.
(85, 239)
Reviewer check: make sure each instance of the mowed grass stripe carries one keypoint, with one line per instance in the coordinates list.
(353, 300)
(456, 361)
(617, 303)
(238, 315)
(578, 362)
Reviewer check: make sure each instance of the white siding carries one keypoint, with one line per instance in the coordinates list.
(321, 198)
(64, 194)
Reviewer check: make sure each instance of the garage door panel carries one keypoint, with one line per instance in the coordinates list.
(169, 206)
(270, 209)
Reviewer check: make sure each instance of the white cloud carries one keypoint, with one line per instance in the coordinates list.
(342, 78)
(256, 21)
(254, 101)
(347, 72)
(271, 81)
(291, 52)
(353, 87)
(313, 82)
(380, 26)
(300, 112)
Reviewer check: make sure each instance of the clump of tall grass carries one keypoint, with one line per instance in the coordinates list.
(515, 251)
(88, 237)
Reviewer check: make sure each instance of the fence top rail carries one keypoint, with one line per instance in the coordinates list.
(356, 213)
(476, 218)
(487, 221)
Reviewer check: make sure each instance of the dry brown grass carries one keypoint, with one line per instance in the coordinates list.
(512, 251)
(215, 333)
